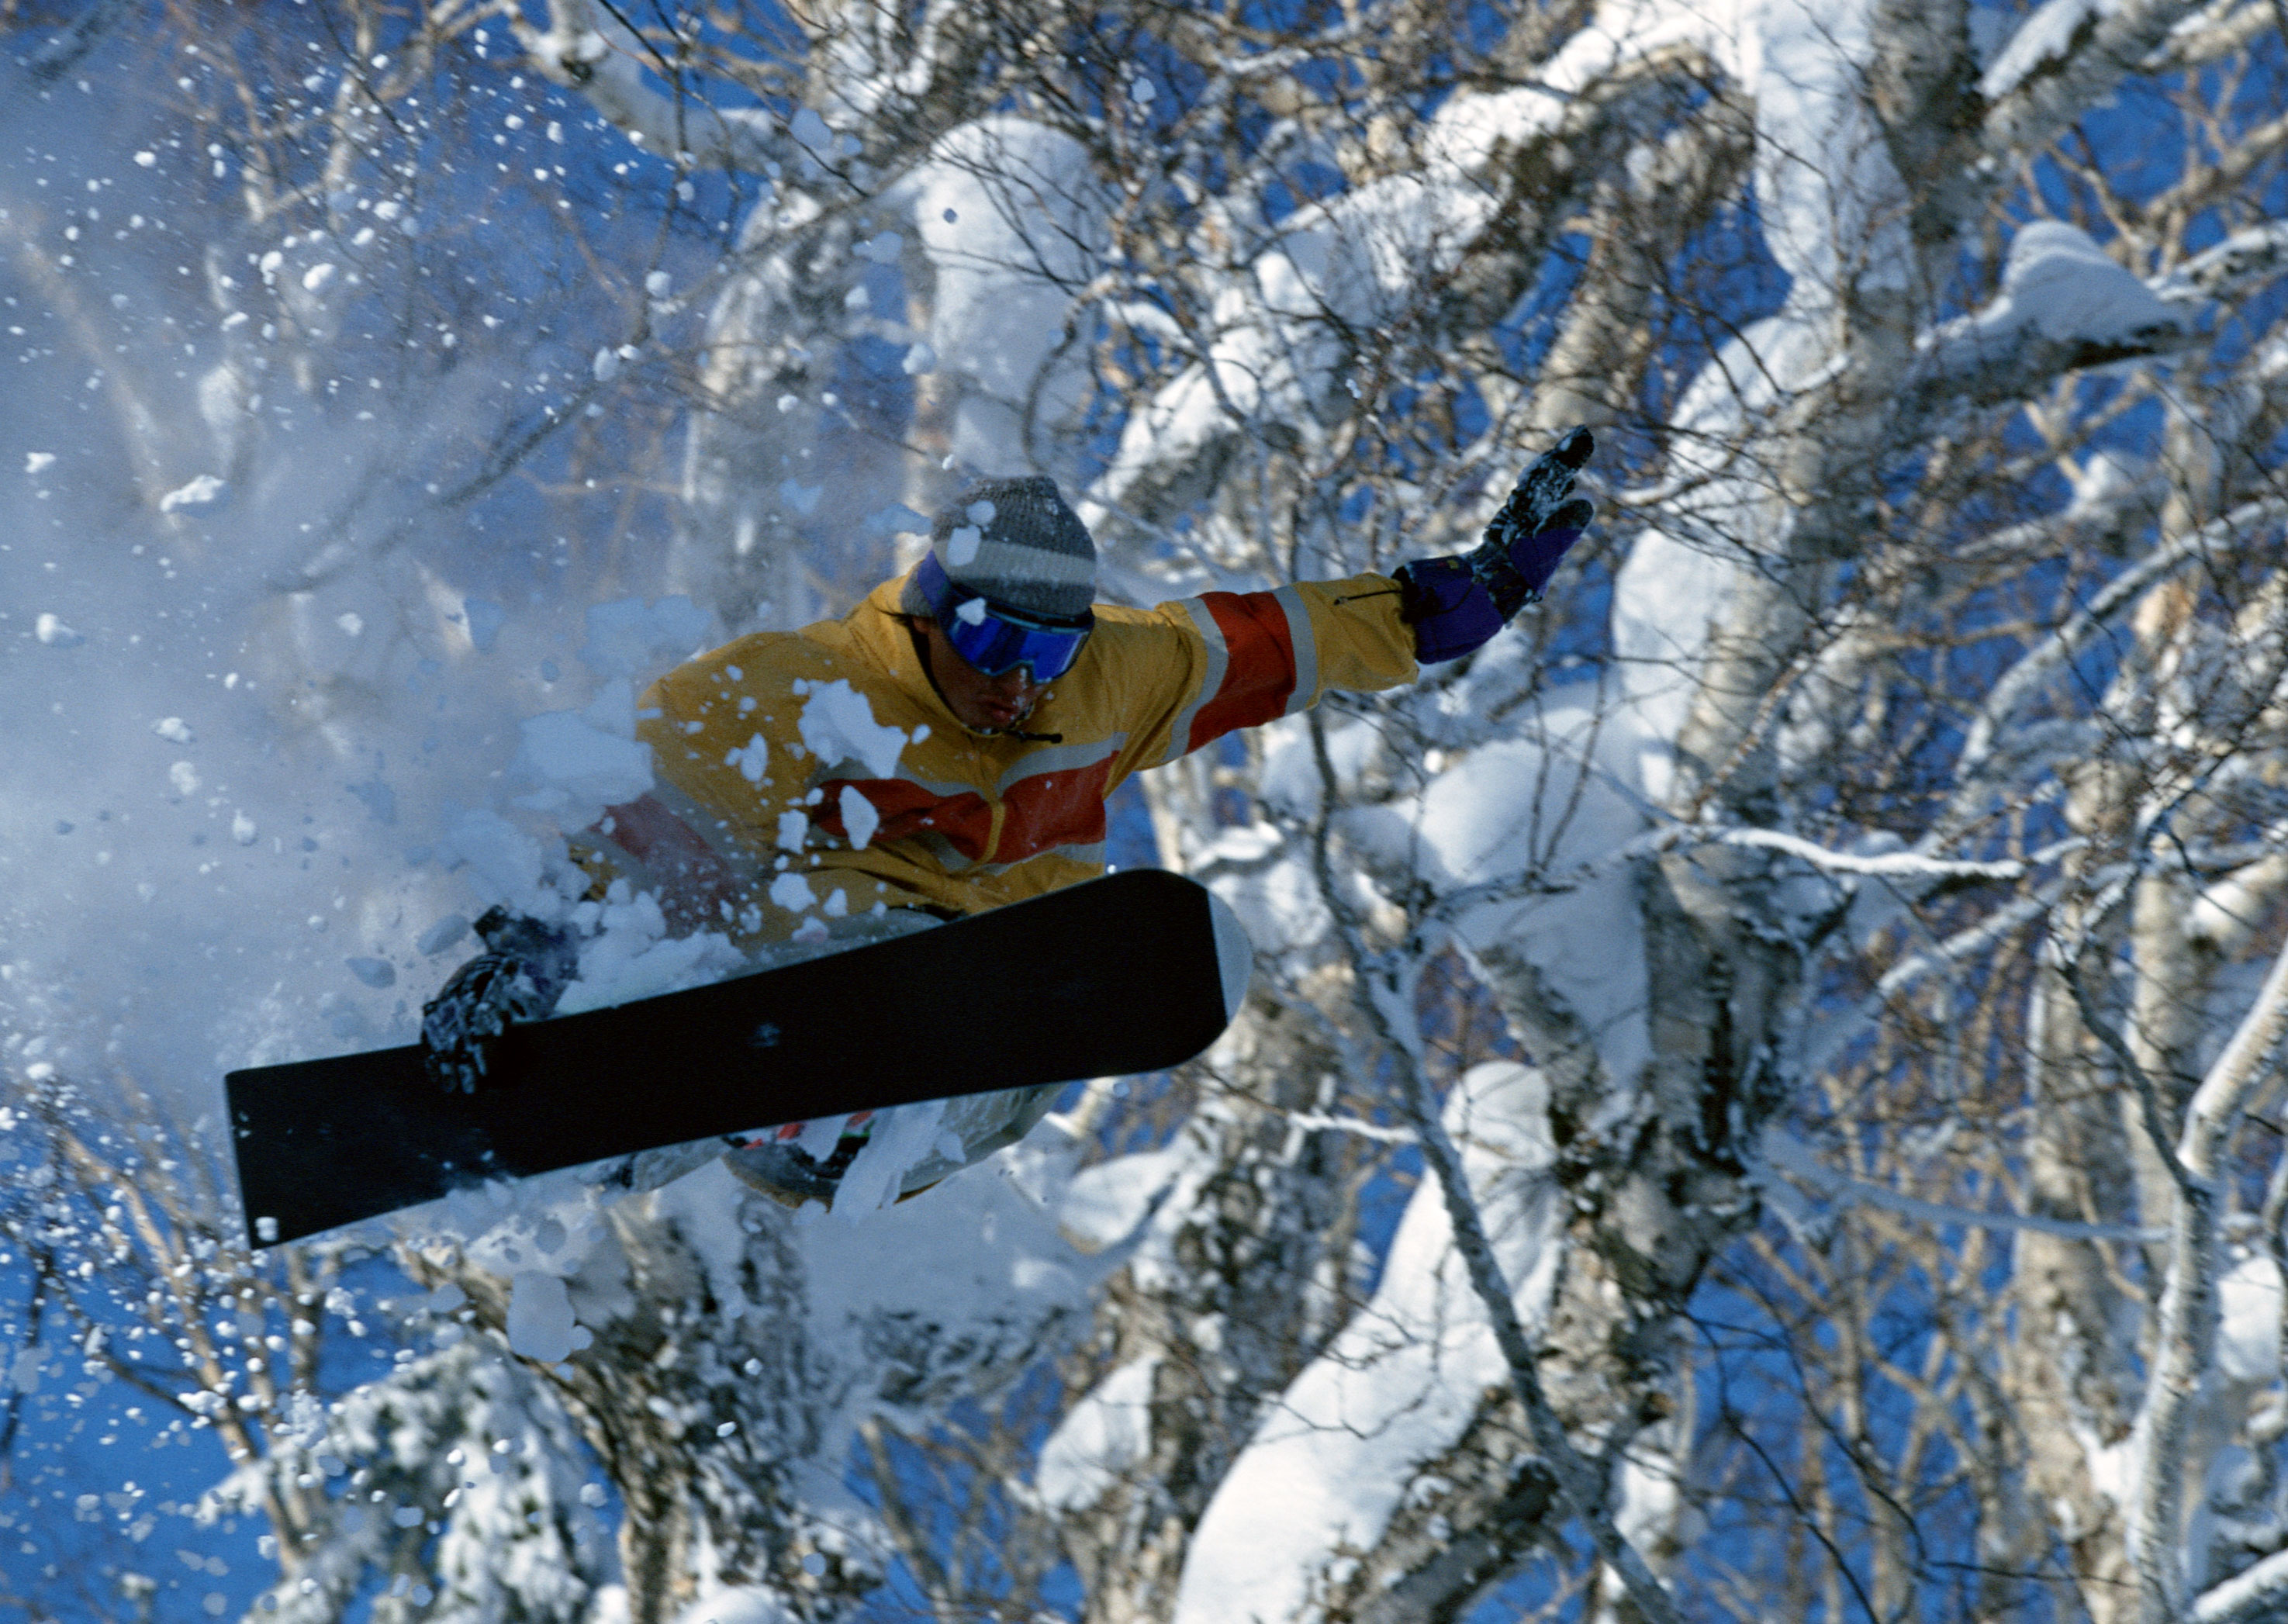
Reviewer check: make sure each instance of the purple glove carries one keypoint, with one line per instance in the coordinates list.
(1456, 604)
(1535, 526)
(1448, 607)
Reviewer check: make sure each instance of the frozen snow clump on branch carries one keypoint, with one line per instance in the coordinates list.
(1337, 1455)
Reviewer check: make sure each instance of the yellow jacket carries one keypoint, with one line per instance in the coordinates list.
(963, 821)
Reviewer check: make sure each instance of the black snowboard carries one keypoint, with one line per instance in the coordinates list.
(1130, 973)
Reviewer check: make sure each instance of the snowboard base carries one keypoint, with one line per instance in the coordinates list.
(1134, 973)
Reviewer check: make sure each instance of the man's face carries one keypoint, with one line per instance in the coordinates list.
(990, 704)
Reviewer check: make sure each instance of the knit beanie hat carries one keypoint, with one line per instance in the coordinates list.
(1015, 543)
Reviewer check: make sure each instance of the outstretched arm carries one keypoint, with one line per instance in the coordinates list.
(1247, 658)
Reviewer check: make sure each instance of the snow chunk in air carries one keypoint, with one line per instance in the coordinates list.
(632, 957)
(626, 637)
(898, 520)
(811, 130)
(504, 861)
(483, 620)
(903, 1137)
(837, 725)
(859, 818)
(203, 492)
(566, 750)
(442, 935)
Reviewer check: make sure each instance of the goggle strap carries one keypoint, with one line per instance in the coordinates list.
(945, 598)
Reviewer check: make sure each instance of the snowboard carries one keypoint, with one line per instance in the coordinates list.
(1133, 972)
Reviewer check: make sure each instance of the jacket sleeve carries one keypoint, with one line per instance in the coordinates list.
(1251, 657)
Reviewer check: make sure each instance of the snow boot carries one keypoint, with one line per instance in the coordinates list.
(776, 1165)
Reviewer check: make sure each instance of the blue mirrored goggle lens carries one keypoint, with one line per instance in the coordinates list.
(996, 642)
(994, 646)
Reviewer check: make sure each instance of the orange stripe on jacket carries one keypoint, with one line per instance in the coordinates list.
(907, 810)
(1064, 808)
(1260, 675)
(1040, 813)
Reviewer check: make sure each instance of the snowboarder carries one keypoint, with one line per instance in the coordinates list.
(783, 808)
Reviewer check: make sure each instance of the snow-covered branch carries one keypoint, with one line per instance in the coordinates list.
(2064, 306)
(1311, 1121)
(2066, 55)
(2057, 651)
(1385, 987)
(1883, 865)
(1684, 837)
(1585, 1495)
(2252, 1594)
(1790, 1155)
(2243, 261)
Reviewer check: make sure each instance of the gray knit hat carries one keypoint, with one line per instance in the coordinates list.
(1016, 542)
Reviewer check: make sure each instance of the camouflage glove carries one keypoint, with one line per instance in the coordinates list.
(1456, 604)
(520, 976)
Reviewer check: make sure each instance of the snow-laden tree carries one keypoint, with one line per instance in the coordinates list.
(1939, 392)
(1760, 1092)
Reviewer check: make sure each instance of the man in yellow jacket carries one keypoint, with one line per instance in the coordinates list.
(949, 747)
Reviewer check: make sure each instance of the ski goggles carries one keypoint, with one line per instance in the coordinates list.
(995, 640)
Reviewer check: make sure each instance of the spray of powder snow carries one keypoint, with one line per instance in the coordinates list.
(259, 671)
(542, 1232)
